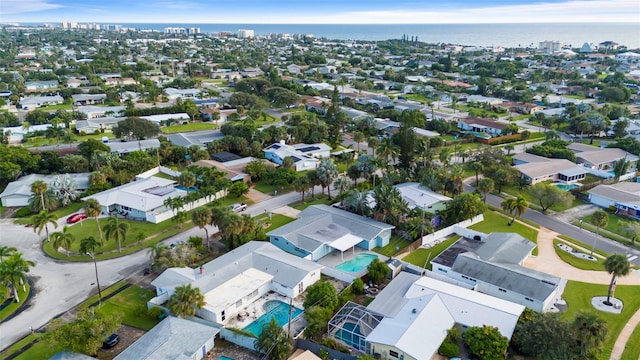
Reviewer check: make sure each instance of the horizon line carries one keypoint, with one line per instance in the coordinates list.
(319, 23)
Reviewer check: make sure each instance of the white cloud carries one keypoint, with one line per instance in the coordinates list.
(24, 6)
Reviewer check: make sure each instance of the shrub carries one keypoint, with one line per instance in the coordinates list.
(449, 349)
(358, 286)
(22, 212)
(155, 312)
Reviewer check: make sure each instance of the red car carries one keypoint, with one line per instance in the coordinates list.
(75, 218)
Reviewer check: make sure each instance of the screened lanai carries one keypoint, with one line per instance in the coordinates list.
(352, 324)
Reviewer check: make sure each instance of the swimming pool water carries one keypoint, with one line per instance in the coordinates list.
(224, 358)
(566, 187)
(351, 335)
(274, 309)
(191, 189)
(358, 263)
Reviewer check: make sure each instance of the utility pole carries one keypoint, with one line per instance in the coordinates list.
(95, 265)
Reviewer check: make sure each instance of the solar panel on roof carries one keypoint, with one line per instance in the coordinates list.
(309, 148)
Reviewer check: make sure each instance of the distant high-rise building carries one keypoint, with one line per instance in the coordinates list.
(245, 34)
(193, 31)
(550, 46)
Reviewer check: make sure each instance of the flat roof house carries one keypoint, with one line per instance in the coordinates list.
(481, 125)
(409, 318)
(320, 229)
(233, 281)
(33, 102)
(173, 339)
(492, 264)
(623, 196)
(41, 85)
(600, 161)
(88, 99)
(534, 169)
(417, 195)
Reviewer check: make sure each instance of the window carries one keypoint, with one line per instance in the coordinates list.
(393, 354)
(503, 290)
(300, 287)
(222, 315)
(239, 303)
(528, 299)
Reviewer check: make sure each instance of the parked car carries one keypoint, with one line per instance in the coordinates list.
(75, 218)
(239, 207)
(111, 341)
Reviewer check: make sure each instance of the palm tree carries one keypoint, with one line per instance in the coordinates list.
(620, 168)
(387, 149)
(155, 250)
(477, 167)
(38, 188)
(327, 172)
(273, 341)
(186, 300)
(6, 251)
(63, 238)
(201, 217)
(485, 186)
(357, 201)
(341, 184)
(589, 332)
(373, 143)
(92, 208)
(116, 230)
(89, 245)
(600, 219)
(187, 179)
(616, 265)
(14, 271)
(301, 184)
(515, 207)
(42, 220)
(180, 218)
(358, 137)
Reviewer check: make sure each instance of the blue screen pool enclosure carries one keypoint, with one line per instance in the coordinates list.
(352, 324)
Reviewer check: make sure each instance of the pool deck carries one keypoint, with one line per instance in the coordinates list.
(255, 310)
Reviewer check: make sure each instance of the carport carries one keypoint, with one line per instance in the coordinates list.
(345, 242)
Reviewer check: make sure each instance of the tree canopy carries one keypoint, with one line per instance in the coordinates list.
(136, 128)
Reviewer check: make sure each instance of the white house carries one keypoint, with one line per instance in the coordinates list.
(409, 318)
(184, 94)
(628, 57)
(18, 192)
(624, 197)
(39, 101)
(482, 125)
(173, 338)
(305, 156)
(492, 264)
(233, 281)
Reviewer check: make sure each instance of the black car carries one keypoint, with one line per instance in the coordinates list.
(111, 341)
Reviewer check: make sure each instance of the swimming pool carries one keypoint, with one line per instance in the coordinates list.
(566, 187)
(351, 335)
(358, 263)
(191, 189)
(224, 358)
(273, 309)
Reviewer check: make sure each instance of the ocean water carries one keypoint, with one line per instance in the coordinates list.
(507, 35)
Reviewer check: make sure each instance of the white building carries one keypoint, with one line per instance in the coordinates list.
(305, 156)
(628, 57)
(233, 281)
(18, 192)
(245, 34)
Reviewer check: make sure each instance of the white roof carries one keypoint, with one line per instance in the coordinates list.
(22, 186)
(345, 242)
(143, 194)
(165, 117)
(235, 288)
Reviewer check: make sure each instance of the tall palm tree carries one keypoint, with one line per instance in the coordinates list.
(186, 300)
(156, 250)
(63, 238)
(301, 184)
(14, 271)
(358, 202)
(515, 207)
(201, 217)
(273, 341)
(387, 149)
(92, 208)
(6, 251)
(116, 230)
(327, 172)
(620, 168)
(616, 265)
(358, 137)
(42, 220)
(373, 143)
(89, 245)
(38, 188)
(589, 332)
(187, 179)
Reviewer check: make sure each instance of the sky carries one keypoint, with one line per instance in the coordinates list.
(321, 11)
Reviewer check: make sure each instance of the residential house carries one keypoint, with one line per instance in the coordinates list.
(33, 102)
(231, 164)
(41, 85)
(125, 147)
(409, 319)
(492, 264)
(234, 281)
(321, 229)
(601, 161)
(623, 197)
(184, 94)
(94, 112)
(305, 156)
(521, 108)
(142, 199)
(417, 196)
(534, 169)
(17, 193)
(482, 125)
(483, 100)
(173, 338)
(88, 99)
(92, 125)
(198, 138)
(628, 57)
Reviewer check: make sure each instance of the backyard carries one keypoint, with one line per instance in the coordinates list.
(396, 244)
(422, 256)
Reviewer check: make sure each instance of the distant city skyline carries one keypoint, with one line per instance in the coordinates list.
(324, 12)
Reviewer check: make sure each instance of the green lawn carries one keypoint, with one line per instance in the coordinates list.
(533, 203)
(420, 256)
(575, 261)
(396, 244)
(192, 126)
(578, 296)
(56, 107)
(153, 232)
(632, 350)
(59, 213)
(131, 303)
(583, 245)
(494, 222)
(40, 350)
(614, 222)
(308, 201)
(11, 308)
(590, 178)
(268, 189)
(276, 221)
